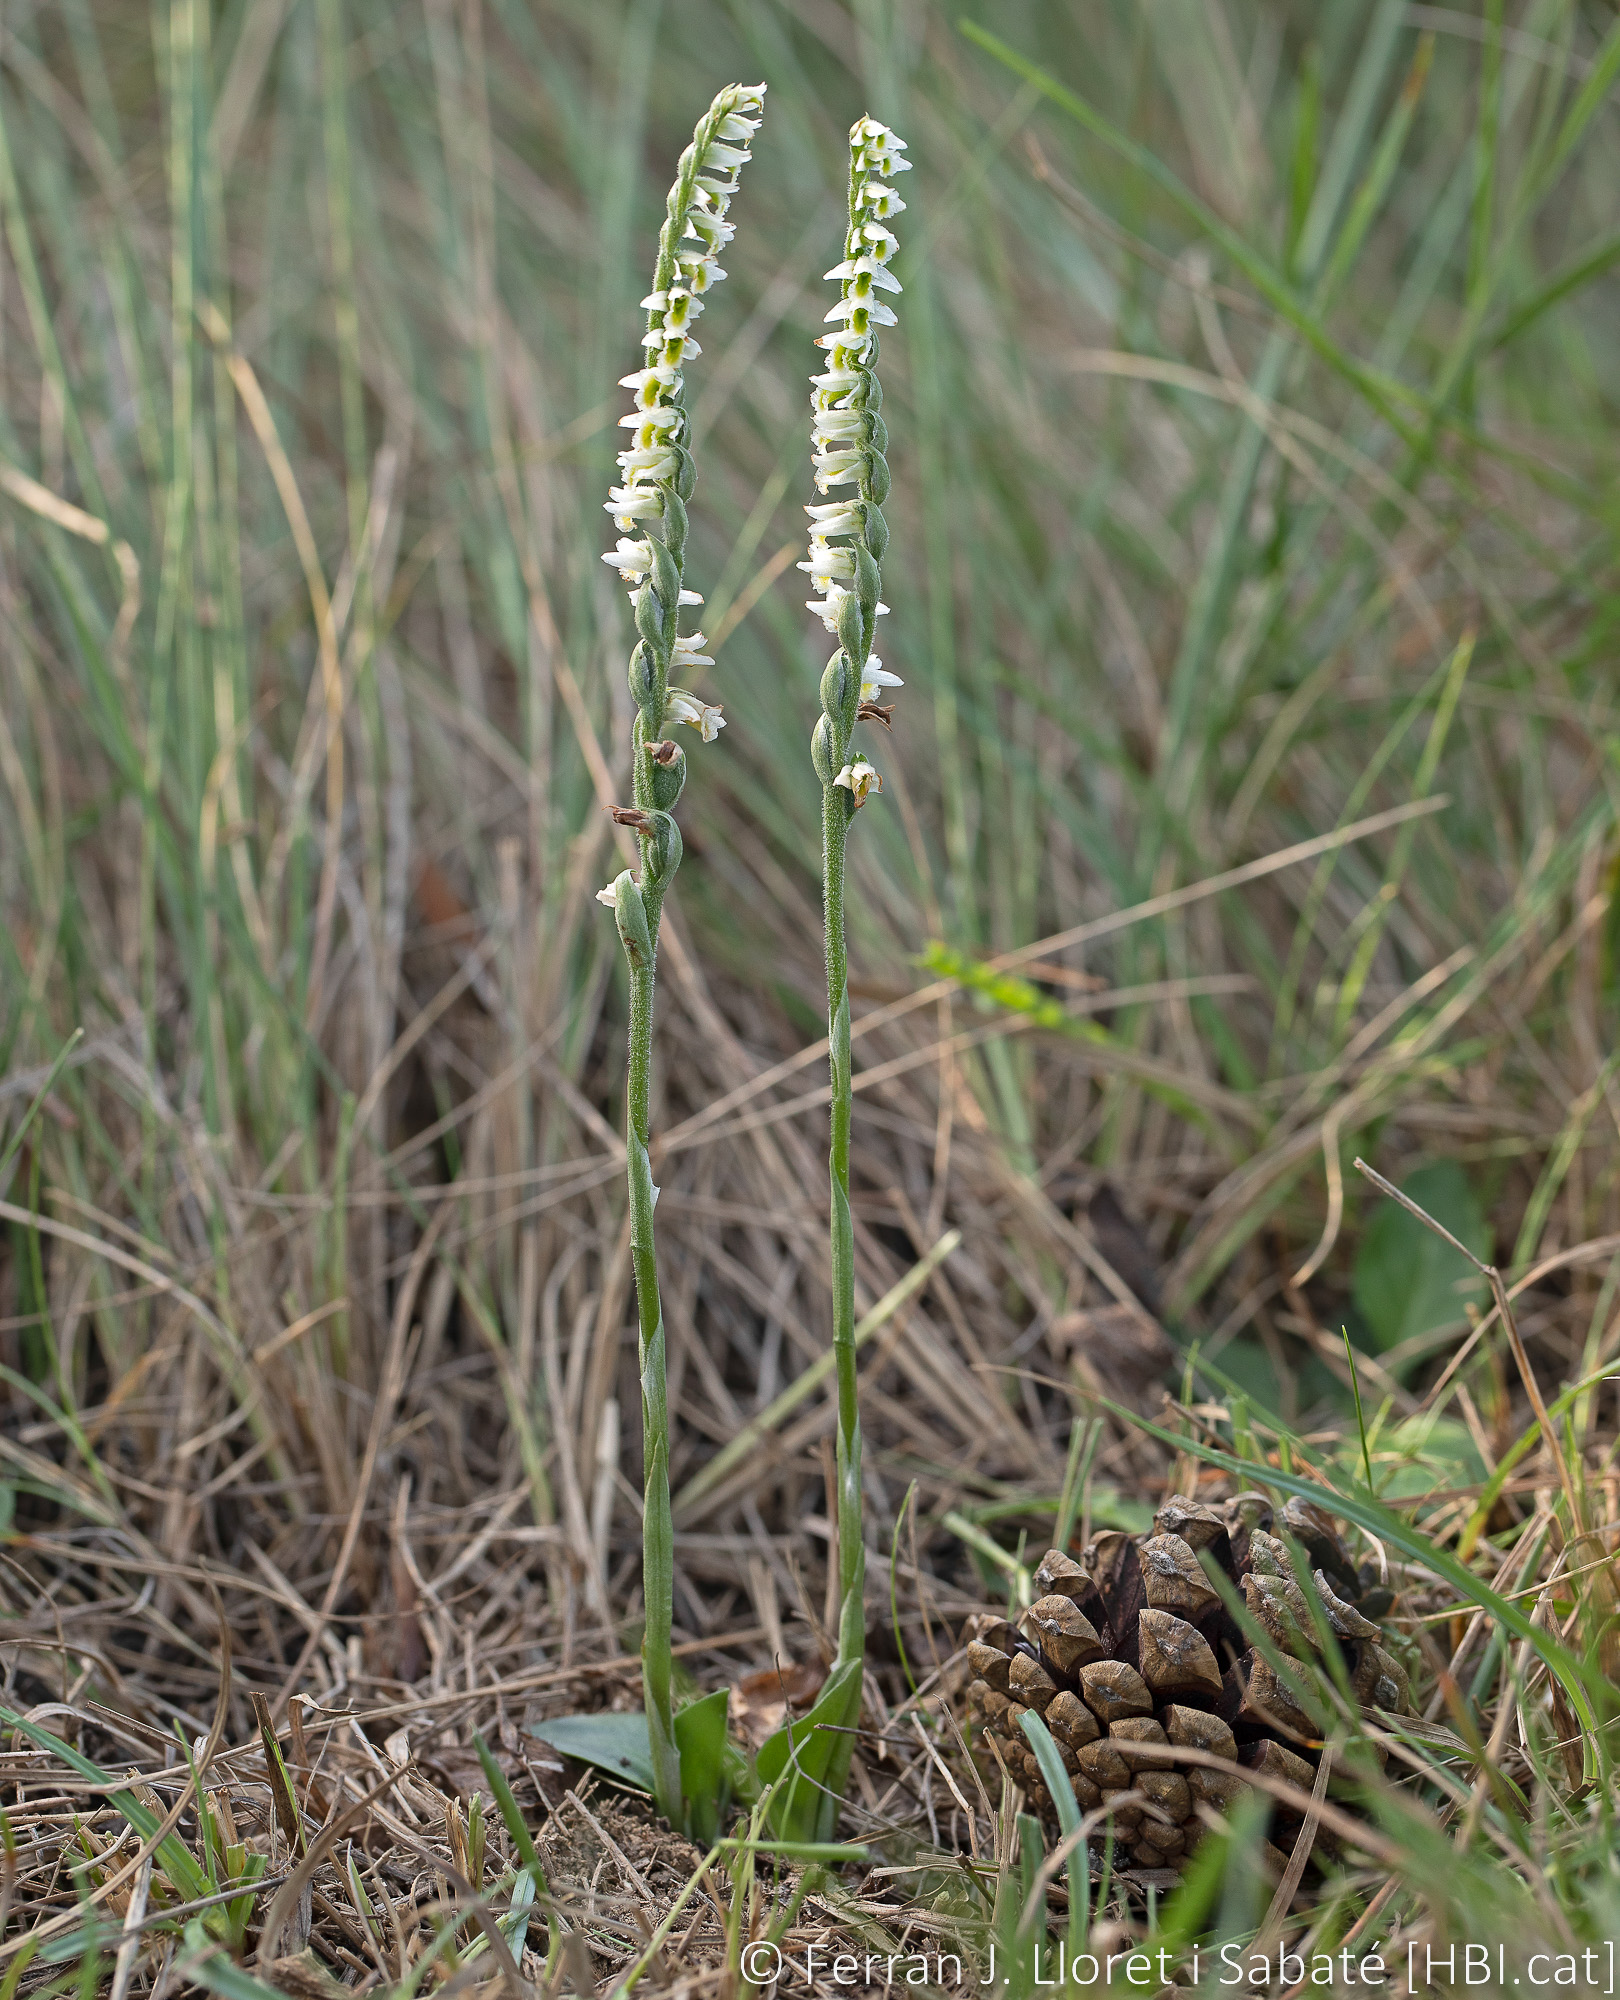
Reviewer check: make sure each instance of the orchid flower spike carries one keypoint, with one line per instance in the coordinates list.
(848, 534)
(648, 501)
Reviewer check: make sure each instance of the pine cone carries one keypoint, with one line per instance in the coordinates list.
(1132, 1646)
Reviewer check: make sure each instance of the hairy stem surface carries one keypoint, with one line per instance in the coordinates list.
(658, 1535)
(835, 814)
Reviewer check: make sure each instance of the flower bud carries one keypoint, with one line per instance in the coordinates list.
(837, 683)
(851, 625)
(658, 477)
(650, 622)
(663, 850)
(668, 773)
(674, 523)
(643, 671)
(630, 913)
(866, 582)
(666, 580)
(826, 753)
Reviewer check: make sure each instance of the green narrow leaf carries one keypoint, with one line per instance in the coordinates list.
(1384, 392)
(1568, 278)
(1302, 177)
(208, 1967)
(1361, 1415)
(795, 1761)
(801, 1850)
(1078, 1864)
(706, 1763)
(531, 1882)
(172, 1855)
(894, 1594)
(282, 1794)
(18, 1966)
(1020, 1919)
(14, 1143)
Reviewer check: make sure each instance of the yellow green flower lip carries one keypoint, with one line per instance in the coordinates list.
(703, 716)
(858, 779)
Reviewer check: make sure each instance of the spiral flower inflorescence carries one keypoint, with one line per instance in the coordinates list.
(656, 477)
(848, 535)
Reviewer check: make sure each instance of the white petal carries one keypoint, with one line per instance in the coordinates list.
(837, 517)
(661, 417)
(864, 267)
(657, 461)
(855, 346)
(880, 201)
(666, 377)
(631, 555)
(877, 312)
(829, 563)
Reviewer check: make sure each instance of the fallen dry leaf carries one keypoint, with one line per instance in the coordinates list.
(760, 1702)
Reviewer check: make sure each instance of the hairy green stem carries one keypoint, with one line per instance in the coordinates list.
(657, 1530)
(657, 1525)
(835, 816)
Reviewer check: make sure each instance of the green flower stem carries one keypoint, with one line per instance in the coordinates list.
(649, 510)
(836, 808)
(657, 1526)
(657, 1522)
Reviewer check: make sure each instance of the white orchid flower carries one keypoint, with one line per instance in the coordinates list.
(704, 717)
(875, 677)
(858, 779)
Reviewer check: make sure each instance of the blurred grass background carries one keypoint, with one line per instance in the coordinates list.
(1253, 475)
